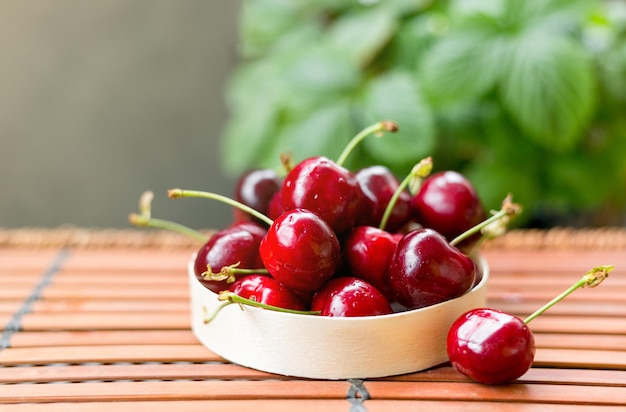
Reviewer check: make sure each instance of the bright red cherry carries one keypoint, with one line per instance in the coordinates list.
(237, 244)
(255, 189)
(379, 184)
(367, 252)
(425, 269)
(490, 346)
(448, 203)
(350, 297)
(267, 290)
(300, 250)
(325, 188)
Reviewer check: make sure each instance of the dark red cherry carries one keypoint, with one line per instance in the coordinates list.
(367, 252)
(255, 189)
(379, 184)
(265, 289)
(237, 244)
(490, 346)
(275, 208)
(325, 188)
(448, 203)
(350, 297)
(425, 269)
(300, 250)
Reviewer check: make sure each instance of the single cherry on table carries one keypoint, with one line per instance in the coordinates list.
(494, 347)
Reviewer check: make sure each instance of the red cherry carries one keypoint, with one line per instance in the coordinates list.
(255, 189)
(379, 184)
(448, 203)
(300, 250)
(325, 188)
(490, 346)
(367, 253)
(350, 297)
(236, 244)
(267, 290)
(425, 269)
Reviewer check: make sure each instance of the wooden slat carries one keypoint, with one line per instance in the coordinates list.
(564, 394)
(158, 390)
(104, 321)
(103, 337)
(107, 354)
(304, 405)
(112, 304)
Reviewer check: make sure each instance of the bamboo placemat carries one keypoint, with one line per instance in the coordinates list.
(99, 319)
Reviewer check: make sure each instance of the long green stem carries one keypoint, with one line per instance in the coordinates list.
(376, 128)
(591, 279)
(147, 221)
(229, 298)
(144, 219)
(419, 171)
(178, 193)
(509, 209)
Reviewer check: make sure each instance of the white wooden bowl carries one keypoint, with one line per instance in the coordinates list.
(322, 347)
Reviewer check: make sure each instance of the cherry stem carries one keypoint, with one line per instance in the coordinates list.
(502, 217)
(178, 193)
(592, 278)
(230, 298)
(377, 128)
(229, 273)
(419, 171)
(144, 219)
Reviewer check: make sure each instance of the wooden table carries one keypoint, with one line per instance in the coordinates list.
(105, 326)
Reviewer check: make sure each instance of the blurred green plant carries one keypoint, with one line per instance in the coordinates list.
(527, 97)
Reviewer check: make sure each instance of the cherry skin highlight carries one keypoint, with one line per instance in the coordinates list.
(300, 250)
(379, 184)
(325, 188)
(367, 252)
(425, 269)
(350, 297)
(490, 346)
(448, 203)
(255, 189)
(237, 244)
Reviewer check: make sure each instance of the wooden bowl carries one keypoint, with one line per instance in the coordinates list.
(322, 347)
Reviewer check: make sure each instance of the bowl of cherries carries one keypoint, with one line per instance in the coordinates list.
(329, 273)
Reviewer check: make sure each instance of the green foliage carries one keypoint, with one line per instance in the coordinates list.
(526, 97)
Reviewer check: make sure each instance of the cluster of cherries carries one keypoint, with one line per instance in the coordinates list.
(321, 239)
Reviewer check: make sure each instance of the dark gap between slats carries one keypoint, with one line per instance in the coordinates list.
(15, 324)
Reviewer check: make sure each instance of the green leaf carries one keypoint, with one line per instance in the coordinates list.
(324, 132)
(462, 66)
(548, 88)
(362, 35)
(396, 96)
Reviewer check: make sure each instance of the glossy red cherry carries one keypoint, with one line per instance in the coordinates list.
(237, 244)
(425, 269)
(267, 290)
(367, 252)
(325, 188)
(300, 250)
(350, 297)
(490, 346)
(255, 188)
(379, 184)
(448, 203)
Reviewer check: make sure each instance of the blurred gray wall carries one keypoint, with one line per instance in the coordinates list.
(103, 99)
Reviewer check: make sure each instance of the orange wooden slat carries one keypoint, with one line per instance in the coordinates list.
(564, 394)
(173, 390)
(180, 304)
(579, 358)
(107, 354)
(103, 337)
(87, 291)
(103, 321)
(174, 371)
